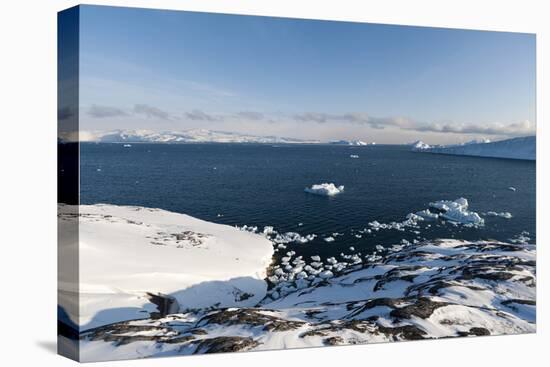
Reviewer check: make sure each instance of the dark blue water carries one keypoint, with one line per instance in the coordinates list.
(263, 185)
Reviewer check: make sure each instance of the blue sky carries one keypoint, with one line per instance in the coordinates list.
(168, 70)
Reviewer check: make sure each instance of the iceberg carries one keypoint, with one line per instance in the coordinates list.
(325, 189)
(420, 145)
(457, 211)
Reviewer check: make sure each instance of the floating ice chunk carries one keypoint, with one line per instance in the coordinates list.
(379, 248)
(457, 211)
(332, 260)
(329, 239)
(325, 189)
(427, 214)
(420, 145)
(268, 230)
(375, 224)
(326, 274)
(506, 215)
(316, 258)
(354, 156)
(127, 145)
(251, 229)
(352, 248)
(512, 188)
(292, 237)
(414, 217)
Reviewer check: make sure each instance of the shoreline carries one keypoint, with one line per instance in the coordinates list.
(411, 291)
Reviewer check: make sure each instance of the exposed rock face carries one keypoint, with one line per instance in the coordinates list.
(434, 289)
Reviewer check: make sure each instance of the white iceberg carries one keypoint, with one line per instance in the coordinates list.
(325, 189)
(457, 211)
(506, 215)
(420, 145)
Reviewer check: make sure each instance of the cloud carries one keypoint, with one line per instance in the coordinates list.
(98, 111)
(514, 129)
(251, 115)
(198, 115)
(355, 118)
(151, 112)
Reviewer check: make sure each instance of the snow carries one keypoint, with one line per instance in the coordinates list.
(185, 136)
(127, 252)
(516, 148)
(325, 189)
(434, 289)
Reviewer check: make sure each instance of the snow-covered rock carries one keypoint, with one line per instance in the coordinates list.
(325, 189)
(433, 289)
(128, 255)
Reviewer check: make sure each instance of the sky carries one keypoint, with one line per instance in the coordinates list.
(171, 70)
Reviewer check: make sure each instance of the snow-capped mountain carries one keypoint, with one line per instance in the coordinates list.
(349, 142)
(516, 148)
(185, 136)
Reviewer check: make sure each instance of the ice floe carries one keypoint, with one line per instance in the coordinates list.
(506, 215)
(457, 211)
(325, 189)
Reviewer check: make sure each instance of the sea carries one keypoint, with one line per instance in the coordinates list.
(261, 185)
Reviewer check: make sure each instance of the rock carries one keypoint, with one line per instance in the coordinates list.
(224, 344)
